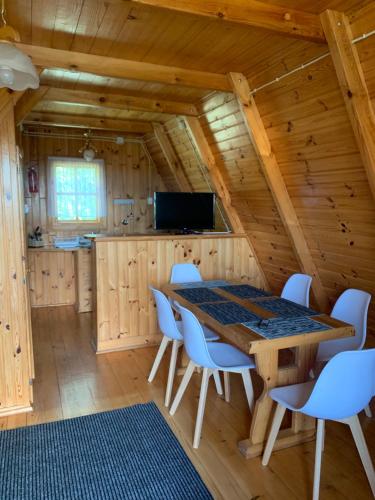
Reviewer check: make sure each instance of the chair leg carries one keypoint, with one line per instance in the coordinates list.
(184, 382)
(246, 377)
(318, 458)
(165, 341)
(172, 368)
(219, 387)
(277, 419)
(360, 442)
(202, 403)
(368, 411)
(227, 387)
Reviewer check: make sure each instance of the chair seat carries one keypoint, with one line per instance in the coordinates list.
(209, 335)
(294, 396)
(229, 358)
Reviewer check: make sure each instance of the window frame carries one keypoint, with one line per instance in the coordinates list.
(53, 222)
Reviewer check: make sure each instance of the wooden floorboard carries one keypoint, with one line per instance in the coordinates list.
(72, 381)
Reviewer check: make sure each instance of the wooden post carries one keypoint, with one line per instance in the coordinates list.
(173, 161)
(276, 184)
(353, 86)
(195, 130)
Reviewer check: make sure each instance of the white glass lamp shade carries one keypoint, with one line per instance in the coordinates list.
(17, 72)
(88, 154)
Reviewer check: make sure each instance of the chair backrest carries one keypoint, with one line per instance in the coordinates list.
(166, 320)
(352, 307)
(194, 340)
(297, 289)
(344, 387)
(185, 273)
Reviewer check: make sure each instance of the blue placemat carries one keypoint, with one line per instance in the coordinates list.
(205, 284)
(285, 308)
(280, 327)
(245, 291)
(200, 295)
(228, 313)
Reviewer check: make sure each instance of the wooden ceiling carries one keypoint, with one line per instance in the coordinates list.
(130, 30)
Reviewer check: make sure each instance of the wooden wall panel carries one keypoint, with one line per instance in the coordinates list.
(125, 311)
(16, 369)
(52, 278)
(223, 125)
(324, 174)
(128, 173)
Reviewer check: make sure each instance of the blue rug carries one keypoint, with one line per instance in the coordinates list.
(129, 453)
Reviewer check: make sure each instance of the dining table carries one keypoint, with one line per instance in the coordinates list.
(262, 324)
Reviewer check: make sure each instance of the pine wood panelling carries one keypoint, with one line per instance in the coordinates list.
(353, 86)
(52, 278)
(128, 176)
(83, 270)
(253, 13)
(160, 160)
(125, 310)
(275, 182)
(16, 368)
(235, 156)
(313, 140)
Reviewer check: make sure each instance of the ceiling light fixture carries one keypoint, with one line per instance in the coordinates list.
(17, 72)
(88, 151)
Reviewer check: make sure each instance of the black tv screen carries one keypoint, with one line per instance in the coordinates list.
(184, 211)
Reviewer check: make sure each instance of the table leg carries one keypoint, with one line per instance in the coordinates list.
(267, 368)
(303, 427)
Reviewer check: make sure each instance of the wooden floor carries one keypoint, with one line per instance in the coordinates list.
(71, 380)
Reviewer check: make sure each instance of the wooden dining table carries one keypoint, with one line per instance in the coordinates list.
(266, 352)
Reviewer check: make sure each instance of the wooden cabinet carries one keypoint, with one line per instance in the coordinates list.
(60, 277)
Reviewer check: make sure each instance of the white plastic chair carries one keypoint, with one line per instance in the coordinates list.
(297, 289)
(343, 389)
(185, 273)
(351, 307)
(172, 332)
(212, 357)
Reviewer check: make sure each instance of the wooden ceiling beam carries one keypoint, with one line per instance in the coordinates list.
(27, 103)
(280, 20)
(276, 184)
(174, 164)
(123, 101)
(123, 68)
(89, 122)
(353, 87)
(203, 148)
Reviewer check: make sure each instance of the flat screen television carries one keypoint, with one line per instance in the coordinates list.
(184, 211)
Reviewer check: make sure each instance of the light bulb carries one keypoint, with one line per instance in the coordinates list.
(6, 76)
(88, 154)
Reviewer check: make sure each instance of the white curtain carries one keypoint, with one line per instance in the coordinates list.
(76, 179)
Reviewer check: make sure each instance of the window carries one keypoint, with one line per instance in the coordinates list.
(76, 190)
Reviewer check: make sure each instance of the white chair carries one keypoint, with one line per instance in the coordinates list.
(172, 332)
(185, 273)
(212, 357)
(297, 289)
(343, 389)
(351, 307)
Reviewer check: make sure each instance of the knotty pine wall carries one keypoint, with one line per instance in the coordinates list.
(16, 364)
(128, 176)
(312, 138)
(195, 172)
